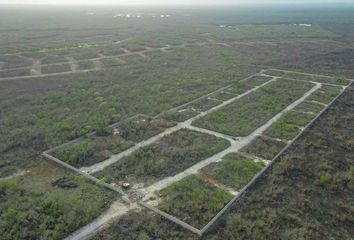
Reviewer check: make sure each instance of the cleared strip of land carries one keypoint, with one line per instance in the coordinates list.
(236, 145)
(307, 77)
(186, 124)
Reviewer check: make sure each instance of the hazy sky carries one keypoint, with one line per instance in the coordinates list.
(166, 2)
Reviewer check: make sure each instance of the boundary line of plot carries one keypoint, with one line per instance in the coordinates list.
(219, 156)
(243, 191)
(275, 159)
(125, 198)
(88, 176)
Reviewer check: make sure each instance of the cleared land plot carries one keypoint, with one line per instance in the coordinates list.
(72, 100)
(308, 191)
(49, 203)
(234, 171)
(15, 61)
(142, 128)
(193, 200)
(264, 147)
(112, 51)
(255, 81)
(309, 107)
(223, 95)
(182, 114)
(49, 59)
(143, 225)
(56, 68)
(167, 157)
(112, 62)
(86, 64)
(193, 109)
(325, 94)
(80, 53)
(205, 104)
(15, 72)
(91, 150)
(289, 125)
(245, 115)
(308, 77)
(98, 147)
(134, 58)
(245, 85)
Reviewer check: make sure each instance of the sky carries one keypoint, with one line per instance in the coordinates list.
(168, 2)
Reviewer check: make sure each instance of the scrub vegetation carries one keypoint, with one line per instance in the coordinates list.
(193, 200)
(297, 196)
(234, 171)
(68, 72)
(242, 117)
(55, 68)
(46, 203)
(308, 191)
(264, 147)
(306, 77)
(309, 107)
(325, 94)
(107, 141)
(289, 125)
(167, 157)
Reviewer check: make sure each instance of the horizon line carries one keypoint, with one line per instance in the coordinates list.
(180, 4)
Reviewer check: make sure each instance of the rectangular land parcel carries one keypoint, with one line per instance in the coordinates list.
(307, 77)
(97, 147)
(167, 157)
(242, 117)
(234, 171)
(193, 200)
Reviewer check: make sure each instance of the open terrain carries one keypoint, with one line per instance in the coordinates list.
(290, 200)
(161, 123)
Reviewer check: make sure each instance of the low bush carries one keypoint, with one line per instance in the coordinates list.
(246, 114)
(193, 200)
(57, 68)
(234, 171)
(308, 77)
(167, 157)
(264, 147)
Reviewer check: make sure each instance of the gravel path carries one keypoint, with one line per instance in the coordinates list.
(186, 124)
(75, 67)
(116, 210)
(73, 64)
(235, 146)
(36, 68)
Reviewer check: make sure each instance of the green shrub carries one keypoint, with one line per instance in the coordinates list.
(325, 179)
